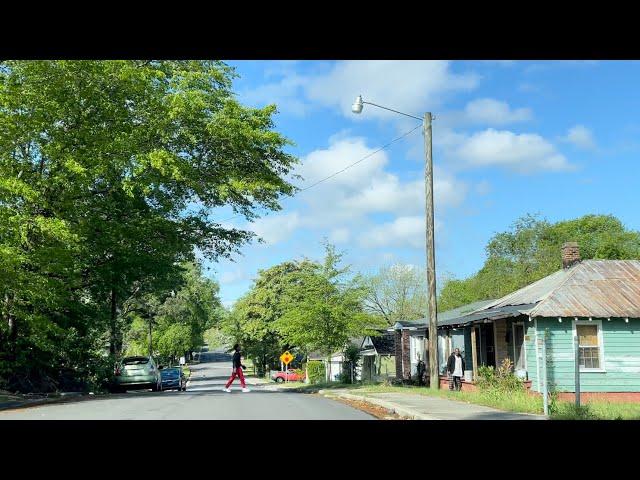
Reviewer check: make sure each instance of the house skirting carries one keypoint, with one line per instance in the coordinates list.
(471, 386)
(622, 397)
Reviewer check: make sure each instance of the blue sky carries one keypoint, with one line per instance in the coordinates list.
(509, 138)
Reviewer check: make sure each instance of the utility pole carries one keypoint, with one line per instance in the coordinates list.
(576, 351)
(431, 254)
(431, 258)
(150, 340)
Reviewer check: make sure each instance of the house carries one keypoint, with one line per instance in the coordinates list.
(411, 339)
(593, 302)
(334, 367)
(378, 356)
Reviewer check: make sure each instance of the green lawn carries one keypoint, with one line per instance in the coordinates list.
(521, 402)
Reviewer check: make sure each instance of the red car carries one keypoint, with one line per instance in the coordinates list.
(290, 375)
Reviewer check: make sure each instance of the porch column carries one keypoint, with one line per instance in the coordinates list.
(474, 355)
(398, 348)
(406, 355)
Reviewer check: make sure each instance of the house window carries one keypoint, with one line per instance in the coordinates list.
(589, 345)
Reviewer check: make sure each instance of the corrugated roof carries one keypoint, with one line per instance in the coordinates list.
(534, 292)
(595, 288)
(591, 288)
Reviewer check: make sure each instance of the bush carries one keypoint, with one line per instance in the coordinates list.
(316, 371)
(501, 379)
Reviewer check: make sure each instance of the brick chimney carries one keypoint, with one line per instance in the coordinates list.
(570, 254)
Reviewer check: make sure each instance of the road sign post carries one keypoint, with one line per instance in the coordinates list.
(286, 358)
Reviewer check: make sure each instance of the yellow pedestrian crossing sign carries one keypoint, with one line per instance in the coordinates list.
(286, 358)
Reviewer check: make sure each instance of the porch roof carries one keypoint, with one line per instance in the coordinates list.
(456, 316)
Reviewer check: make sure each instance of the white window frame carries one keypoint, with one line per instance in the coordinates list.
(524, 344)
(598, 324)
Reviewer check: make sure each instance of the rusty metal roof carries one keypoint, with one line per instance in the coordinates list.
(591, 288)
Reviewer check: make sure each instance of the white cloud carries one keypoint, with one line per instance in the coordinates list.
(340, 235)
(283, 93)
(276, 228)
(412, 86)
(494, 112)
(407, 231)
(409, 86)
(581, 137)
(344, 203)
(367, 187)
(524, 153)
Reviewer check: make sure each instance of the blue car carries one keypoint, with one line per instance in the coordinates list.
(172, 378)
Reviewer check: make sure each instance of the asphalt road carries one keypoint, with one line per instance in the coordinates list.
(203, 400)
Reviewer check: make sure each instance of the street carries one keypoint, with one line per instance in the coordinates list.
(203, 400)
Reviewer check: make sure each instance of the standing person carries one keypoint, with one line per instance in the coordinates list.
(455, 369)
(237, 371)
(421, 371)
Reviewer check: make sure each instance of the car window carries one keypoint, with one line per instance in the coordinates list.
(171, 372)
(135, 360)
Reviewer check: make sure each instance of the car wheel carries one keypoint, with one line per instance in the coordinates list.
(279, 380)
(154, 387)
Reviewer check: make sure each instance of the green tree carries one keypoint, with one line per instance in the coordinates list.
(109, 172)
(253, 320)
(324, 307)
(531, 250)
(397, 292)
(175, 341)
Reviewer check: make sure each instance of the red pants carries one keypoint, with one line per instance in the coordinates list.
(237, 372)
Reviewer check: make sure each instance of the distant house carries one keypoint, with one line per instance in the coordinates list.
(335, 367)
(378, 357)
(597, 301)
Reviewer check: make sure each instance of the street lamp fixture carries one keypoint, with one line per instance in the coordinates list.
(431, 262)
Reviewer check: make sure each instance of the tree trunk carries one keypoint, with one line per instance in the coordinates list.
(12, 323)
(328, 369)
(113, 347)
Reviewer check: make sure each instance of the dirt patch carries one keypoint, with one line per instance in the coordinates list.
(377, 411)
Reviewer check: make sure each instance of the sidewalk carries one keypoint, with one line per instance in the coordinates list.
(421, 407)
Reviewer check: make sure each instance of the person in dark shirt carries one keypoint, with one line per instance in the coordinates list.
(237, 370)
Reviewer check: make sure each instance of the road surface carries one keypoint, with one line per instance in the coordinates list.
(203, 400)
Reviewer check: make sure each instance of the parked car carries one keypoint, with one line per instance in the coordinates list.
(134, 373)
(172, 378)
(290, 375)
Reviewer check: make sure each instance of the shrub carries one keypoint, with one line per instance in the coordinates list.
(316, 371)
(501, 379)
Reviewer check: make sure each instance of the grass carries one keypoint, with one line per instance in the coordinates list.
(512, 401)
(518, 401)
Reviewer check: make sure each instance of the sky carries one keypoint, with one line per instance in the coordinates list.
(510, 138)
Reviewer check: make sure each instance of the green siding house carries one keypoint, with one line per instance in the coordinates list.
(597, 301)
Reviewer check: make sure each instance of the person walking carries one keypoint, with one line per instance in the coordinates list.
(237, 371)
(455, 369)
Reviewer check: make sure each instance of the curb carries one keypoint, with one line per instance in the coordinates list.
(401, 411)
(41, 401)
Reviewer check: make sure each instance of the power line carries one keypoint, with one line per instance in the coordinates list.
(350, 165)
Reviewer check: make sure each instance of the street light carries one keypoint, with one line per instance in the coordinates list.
(431, 256)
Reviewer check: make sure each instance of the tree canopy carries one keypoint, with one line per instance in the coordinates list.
(112, 174)
(531, 250)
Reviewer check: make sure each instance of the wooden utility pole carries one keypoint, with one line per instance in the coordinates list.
(576, 350)
(431, 258)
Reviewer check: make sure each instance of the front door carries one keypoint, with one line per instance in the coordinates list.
(490, 345)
